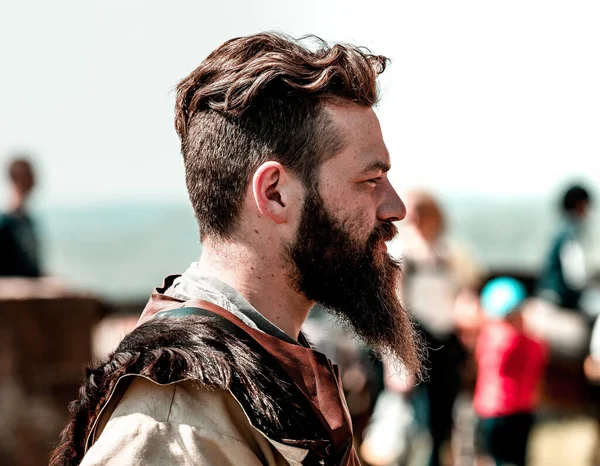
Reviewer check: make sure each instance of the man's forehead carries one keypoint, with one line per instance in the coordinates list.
(360, 129)
(348, 116)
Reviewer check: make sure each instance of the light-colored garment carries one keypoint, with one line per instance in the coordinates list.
(389, 433)
(429, 285)
(572, 260)
(179, 424)
(566, 333)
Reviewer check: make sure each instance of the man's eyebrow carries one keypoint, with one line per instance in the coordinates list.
(383, 166)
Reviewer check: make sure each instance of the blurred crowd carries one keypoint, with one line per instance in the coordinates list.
(496, 345)
(493, 341)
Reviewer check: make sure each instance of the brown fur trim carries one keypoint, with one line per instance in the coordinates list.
(196, 348)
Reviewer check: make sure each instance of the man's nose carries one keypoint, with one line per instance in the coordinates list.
(392, 208)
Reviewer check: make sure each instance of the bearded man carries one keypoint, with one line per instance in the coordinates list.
(286, 170)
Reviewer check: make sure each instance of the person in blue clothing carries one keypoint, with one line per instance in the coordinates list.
(563, 279)
(19, 251)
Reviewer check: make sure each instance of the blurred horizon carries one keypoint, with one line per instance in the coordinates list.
(121, 251)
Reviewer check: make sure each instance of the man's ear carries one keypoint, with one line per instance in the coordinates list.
(271, 189)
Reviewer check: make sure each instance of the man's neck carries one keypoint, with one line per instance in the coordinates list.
(261, 279)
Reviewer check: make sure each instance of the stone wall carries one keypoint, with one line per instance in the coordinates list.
(45, 337)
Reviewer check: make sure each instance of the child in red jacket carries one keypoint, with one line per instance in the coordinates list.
(510, 365)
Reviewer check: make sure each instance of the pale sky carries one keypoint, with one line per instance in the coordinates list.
(481, 97)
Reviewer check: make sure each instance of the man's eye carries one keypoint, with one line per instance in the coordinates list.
(374, 180)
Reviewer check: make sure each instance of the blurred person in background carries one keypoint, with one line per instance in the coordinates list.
(434, 276)
(510, 366)
(286, 170)
(564, 276)
(19, 249)
(563, 311)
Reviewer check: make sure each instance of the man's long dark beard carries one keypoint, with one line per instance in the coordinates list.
(356, 282)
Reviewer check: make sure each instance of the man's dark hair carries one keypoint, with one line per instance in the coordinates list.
(260, 98)
(573, 197)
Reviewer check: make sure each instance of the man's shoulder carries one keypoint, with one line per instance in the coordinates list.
(177, 423)
(142, 396)
(189, 373)
(198, 351)
(183, 403)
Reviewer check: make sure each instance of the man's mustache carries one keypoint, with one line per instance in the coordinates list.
(384, 231)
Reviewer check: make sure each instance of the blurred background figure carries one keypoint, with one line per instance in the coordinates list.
(19, 250)
(435, 275)
(564, 276)
(566, 306)
(510, 366)
(430, 287)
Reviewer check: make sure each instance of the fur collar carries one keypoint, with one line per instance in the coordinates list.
(202, 349)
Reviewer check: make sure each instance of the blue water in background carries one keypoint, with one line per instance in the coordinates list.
(121, 251)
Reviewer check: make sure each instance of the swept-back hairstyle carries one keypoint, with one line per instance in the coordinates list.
(260, 98)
